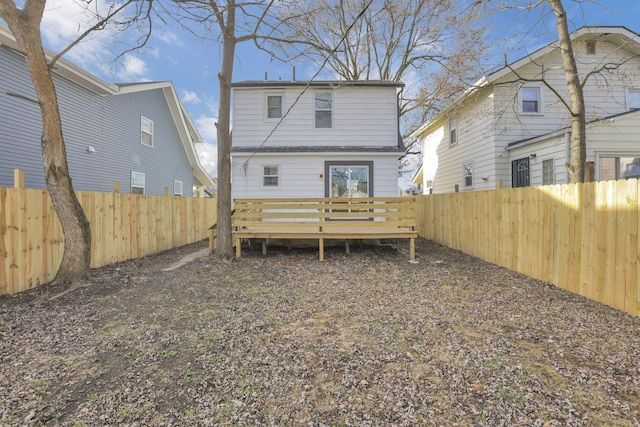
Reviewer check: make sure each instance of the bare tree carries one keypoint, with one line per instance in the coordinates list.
(434, 46)
(24, 24)
(236, 22)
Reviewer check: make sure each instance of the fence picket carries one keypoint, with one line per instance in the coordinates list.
(580, 237)
(123, 227)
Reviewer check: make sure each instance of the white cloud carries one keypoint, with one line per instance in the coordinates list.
(208, 151)
(189, 96)
(169, 38)
(133, 68)
(64, 21)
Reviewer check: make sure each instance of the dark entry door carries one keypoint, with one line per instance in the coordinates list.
(520, 173)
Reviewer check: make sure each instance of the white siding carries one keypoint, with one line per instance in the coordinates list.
(362, 116)
(486, 126)
(303, 175)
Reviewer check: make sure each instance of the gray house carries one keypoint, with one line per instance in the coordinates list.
(138, 135)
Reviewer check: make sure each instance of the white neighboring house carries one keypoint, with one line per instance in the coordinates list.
(510, 125)
(318, 139)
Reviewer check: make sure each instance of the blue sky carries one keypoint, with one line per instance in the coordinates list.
(192, 64)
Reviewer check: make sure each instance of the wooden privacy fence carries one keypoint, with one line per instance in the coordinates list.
(580, 237)
(123, 226)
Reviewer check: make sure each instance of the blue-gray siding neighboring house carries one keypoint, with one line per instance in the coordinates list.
(136, 134)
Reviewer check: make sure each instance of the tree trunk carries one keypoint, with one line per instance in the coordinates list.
(224, 247)
(76, 259)
(576, 167)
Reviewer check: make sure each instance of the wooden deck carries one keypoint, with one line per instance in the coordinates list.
(325, 218)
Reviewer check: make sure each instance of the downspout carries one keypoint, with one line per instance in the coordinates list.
(567, 142)
(400, 143)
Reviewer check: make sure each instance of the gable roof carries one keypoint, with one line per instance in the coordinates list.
(618, 35)
(189, 135)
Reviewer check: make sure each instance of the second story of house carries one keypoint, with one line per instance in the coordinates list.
(320, 114)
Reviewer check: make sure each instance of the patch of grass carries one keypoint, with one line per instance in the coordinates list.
(93, 398)
(124, 412)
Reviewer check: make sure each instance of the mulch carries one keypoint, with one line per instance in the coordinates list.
(365, 338)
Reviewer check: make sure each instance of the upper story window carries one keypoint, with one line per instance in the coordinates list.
(270, 177)
(323, 109)
(146, 131)
(591, 48)
(633, 99)
(530, 100)
(137, 182)
(274, 106)
(453, 131)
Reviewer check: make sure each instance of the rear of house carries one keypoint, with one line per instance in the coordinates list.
(315, 139)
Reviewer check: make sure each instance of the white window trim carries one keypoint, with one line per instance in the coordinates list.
(176, 184)
(617, 153)
(553, 170)
(464, 181)
(537, 87)
(138, 186)
(266, 106)
(453, 120)
(315, 110)
(628, 97)
(263, 176)
(143, 119)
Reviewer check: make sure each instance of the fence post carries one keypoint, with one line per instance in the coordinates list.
(498, 184)
(166, 191)
(589, 171)
(116, 186)
(457, 188)
(18, 178)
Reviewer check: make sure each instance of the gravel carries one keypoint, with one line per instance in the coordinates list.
(365, 338)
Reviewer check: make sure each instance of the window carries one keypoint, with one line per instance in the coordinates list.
(453, 131)
(137, 183)
(274, 106)
(323, 109)
(270, 176)
(633, 99)
(177, 188)
(622, 167)
(591, 48)
(146, 131)
(428, 186)
(547, 172)
(468, 175)
(520, 175)
(530, 100)
(349, 179)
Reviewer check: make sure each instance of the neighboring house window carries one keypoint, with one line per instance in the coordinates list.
(177, 188)
(619, 167)
(270, 177)
(547, 172)
(349, 179)
(633, 99)
(137, 183)
(591, 48)
(428, 186)
(146, 131)
(530, 100)
(323, 109)
(468, 175)
(453, 131)
(520, 176)
(274, 106)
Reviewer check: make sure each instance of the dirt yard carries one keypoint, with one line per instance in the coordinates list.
(360, 339)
